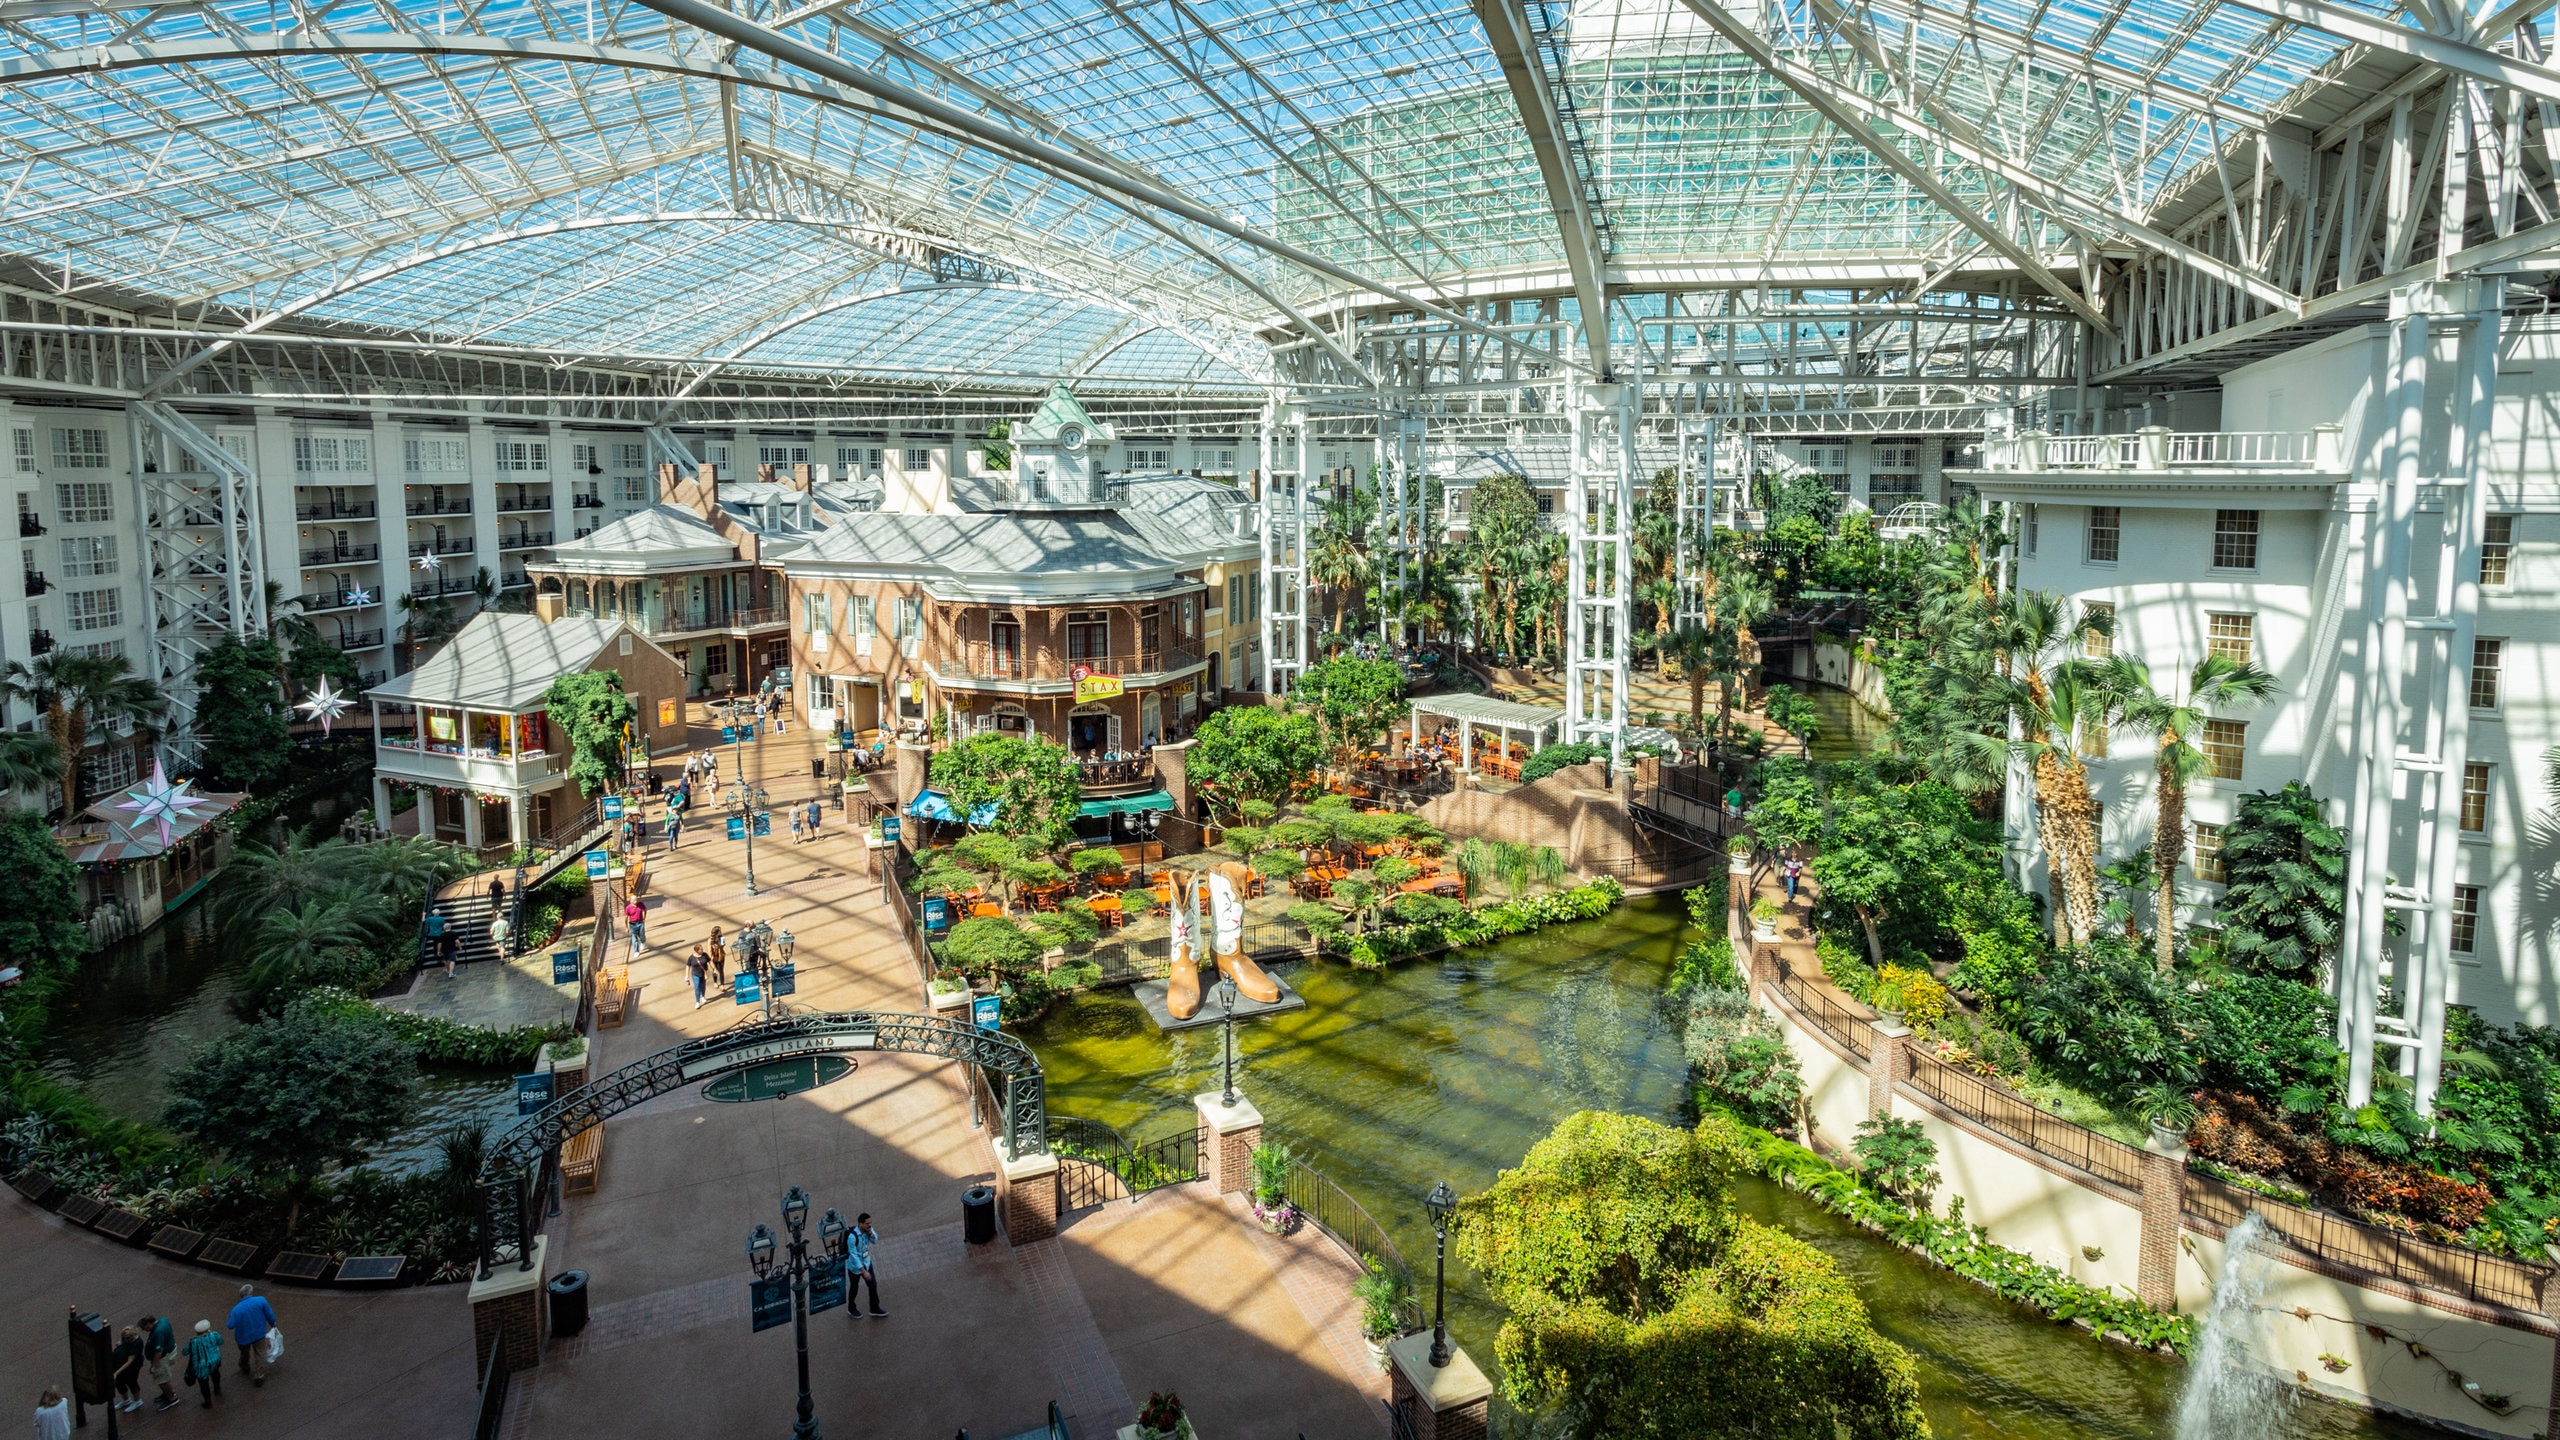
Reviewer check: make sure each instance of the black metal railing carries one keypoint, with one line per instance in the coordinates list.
(330, 510)
(39, 642)
(360, 640)
(2339, 1241)
(518, 504)
(1824, 1013)
(1348, 1224)
(29, 526)
(457, 545)
(1096, 1166)
(493, 1387)
(2004, 1112)
(36, 583)
(341, 554)
(529, 540)
(441, 507)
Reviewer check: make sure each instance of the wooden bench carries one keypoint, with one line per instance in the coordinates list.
(581, 1158)
(613, 991)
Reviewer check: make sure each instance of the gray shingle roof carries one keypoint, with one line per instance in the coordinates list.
(656, 538)
(504, 662)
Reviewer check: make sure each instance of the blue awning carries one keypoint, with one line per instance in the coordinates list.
(930, 805)
(1127, 804)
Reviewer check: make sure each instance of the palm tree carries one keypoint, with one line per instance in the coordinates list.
(263, 881)
(1694, 646)
(1743, 599)
(76, 694)
(424, 621)
(1339, 559)
(2052, 712)
(285, 940)
(28, 759)
(2216, 681)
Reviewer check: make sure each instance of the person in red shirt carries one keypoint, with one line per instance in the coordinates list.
(637, 919)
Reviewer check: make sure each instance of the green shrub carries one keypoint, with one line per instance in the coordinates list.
(1740, 1059)
(1897, 1157)
(1376, 948)
(992, 947)
(1553, 758)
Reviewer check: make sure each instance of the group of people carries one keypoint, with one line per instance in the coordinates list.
(149, 1347)
(707, 968)
(444, 940)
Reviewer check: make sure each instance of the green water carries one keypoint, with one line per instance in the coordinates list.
(1849, 727)
(1451, 1070)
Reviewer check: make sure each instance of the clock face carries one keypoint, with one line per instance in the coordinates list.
(1072, 437)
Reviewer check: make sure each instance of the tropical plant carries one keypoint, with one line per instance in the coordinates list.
(1271, 1163)
(2283, 909)
(1695, 648)
(1339, 560)
(29, 761)
(2053, 712)
(1739, 1058)
(2217, 682)
(1897, 1157)
(40, 929)
(1354, 701)
(240, 713)
(1551, 758)
(1032, 783)
(297, 1094)
(77, 695)
(1793, 712)
(1381, 1293)
(588, 708)
(1254, 754)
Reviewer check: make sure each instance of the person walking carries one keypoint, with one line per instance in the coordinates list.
(53, 1415)
(204, 1361)
(719, 960)
(675, 826)
(498, 894)
(638, 919)
(439, 944)
(1792, 870)
(159, 1346)
(697, 967)
(498, 934)
(798, 832)
(815, 814)
(128, 1371)
(249, 1323)
(862, 1247)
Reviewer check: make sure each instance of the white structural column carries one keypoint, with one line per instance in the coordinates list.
(193, 586)
(1696, 513)
(1599, 509)
(1284, 545)
(1400, 514)
(2413, 709)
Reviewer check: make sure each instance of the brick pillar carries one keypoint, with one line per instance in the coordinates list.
(2164, 1201)
(1884, 1063)
(1029, 1196)
(1227, 1137)
(913, 761)
(1450, 1402)
(514, 1299)
(1173, 772)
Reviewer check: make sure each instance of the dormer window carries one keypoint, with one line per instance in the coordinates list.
(1039, 479)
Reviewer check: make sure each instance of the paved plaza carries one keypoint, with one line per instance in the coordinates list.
(1177, 1291)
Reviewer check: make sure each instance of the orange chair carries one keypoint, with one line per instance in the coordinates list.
(986, 912)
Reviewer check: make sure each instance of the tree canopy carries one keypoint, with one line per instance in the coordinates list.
(1033, 783)
(2284, 903)
(1629, 1278)
(1254, 752)
(240, 712)
(40, 930)
(589, 708)
(298, 1093)
(1354, 700)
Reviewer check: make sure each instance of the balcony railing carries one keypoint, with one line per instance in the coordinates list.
(331, 510)
(687, 622)
(39, 642)
(29, 526)
(2157, 448)
(320, 600)
(586, 502)
(361, 640)
(342, 555)
(444, 585)
(36, 583)
(529, 540)
(518, 504)
(977, 660)
(1116, 777)
(461, 545)
(441, 507)
(514, 580)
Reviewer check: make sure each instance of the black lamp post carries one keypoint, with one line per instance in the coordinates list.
(1440, 1202)
(1227, 1055)
(798, 1265)
(746, 801)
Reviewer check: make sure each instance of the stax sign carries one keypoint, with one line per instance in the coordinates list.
(1091, 687)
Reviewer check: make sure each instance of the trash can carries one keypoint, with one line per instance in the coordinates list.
(817, 768)
(568, 1303)
(977, 1218)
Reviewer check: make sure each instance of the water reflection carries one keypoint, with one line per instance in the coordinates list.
(1390, 1082)
(140, 1007)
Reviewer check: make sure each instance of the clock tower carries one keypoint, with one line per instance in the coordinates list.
(1061, 454)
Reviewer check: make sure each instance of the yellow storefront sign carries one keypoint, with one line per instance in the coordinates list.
(1097, 687)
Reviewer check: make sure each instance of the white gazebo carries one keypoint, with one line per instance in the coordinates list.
(1477, 712)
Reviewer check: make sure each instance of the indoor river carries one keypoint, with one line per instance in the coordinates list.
(1450, 1070)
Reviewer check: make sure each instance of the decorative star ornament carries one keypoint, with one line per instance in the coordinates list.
(430, 561)
(158, 801)
(325, 705)
(359, 596)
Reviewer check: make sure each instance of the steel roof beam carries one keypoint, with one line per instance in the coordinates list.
(2364, 28)
(1515, 47)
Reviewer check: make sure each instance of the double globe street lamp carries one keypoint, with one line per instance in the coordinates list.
(748, 802)
(803, 1286)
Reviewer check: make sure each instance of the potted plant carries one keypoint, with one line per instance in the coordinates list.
(1886, 995)
(1380, 1294)
(2171, 1111)
(1162, 1419)
(1270, 1198)
(1764, 920)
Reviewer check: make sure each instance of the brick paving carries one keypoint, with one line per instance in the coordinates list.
(1317, 1275)
(1092, 1393)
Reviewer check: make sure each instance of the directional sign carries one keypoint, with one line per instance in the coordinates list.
(764, 822)
(889, 828)
(937, 913)
(564, 967)
(769, 1301)
(728, 734)
(745, 988)
(613, 807)
(786, 980)
(737, 827)
(598, 863)
(776, 1078)
(988, 1011)
(826, 1284)
(532, 1093)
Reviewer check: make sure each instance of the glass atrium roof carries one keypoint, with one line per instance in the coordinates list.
(1131, 190)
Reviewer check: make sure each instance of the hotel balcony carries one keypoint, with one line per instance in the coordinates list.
(454, 545)
(977, 663)
(341, 555)
(529, 540)
(402, 757)
(708, 621)
(2159, 466)
(325, 510)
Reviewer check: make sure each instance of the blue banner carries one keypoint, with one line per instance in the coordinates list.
(746, 990)
(728, 734)
(769, 1301)
(564, 967)
(786, 980)
(764, 822)
(598, 862)
(737, 827)
(826, 1284)
(532, 1093)
(888, 827)
(988, 1011)
(613, 807)
(937, 913)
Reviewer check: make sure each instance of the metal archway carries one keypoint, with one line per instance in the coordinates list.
(516, 1172)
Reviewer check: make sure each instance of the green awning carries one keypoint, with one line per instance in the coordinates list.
(1127, 804)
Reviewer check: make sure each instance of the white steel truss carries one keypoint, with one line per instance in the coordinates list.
(1284, 481)
(1599, 555)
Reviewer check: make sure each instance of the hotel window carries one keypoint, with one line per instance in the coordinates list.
(1088, 635)
(910, 619)
(862, 616)
(780, 454)
(2495, 547)
(2223, 742)
(2206, 855)
(2466, 918)
(94, 609)
(435, 454)
(631, 489)
(919, 459)
(855, 461)
(586, 459)
(22, 449)
(2033, 526)
(87, 503)
(2475, 798)
(88, 555)
(1150, 459)
(118, 766)
(76, 448)
(2106, 533)
(2487, 656)
(332, 454)
(1215, 462)
(2100, 642)
(628, 456)
(816, 612)
(1235, 599)
(524, 455)
(2233, 637)
(2235, 539)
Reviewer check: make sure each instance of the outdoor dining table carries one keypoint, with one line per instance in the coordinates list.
(1107, 909)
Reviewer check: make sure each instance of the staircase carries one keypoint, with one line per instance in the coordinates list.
(465, 905)
(466, 918)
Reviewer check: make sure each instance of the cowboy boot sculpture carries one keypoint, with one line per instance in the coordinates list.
(1182, 985)
(1226, 900)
